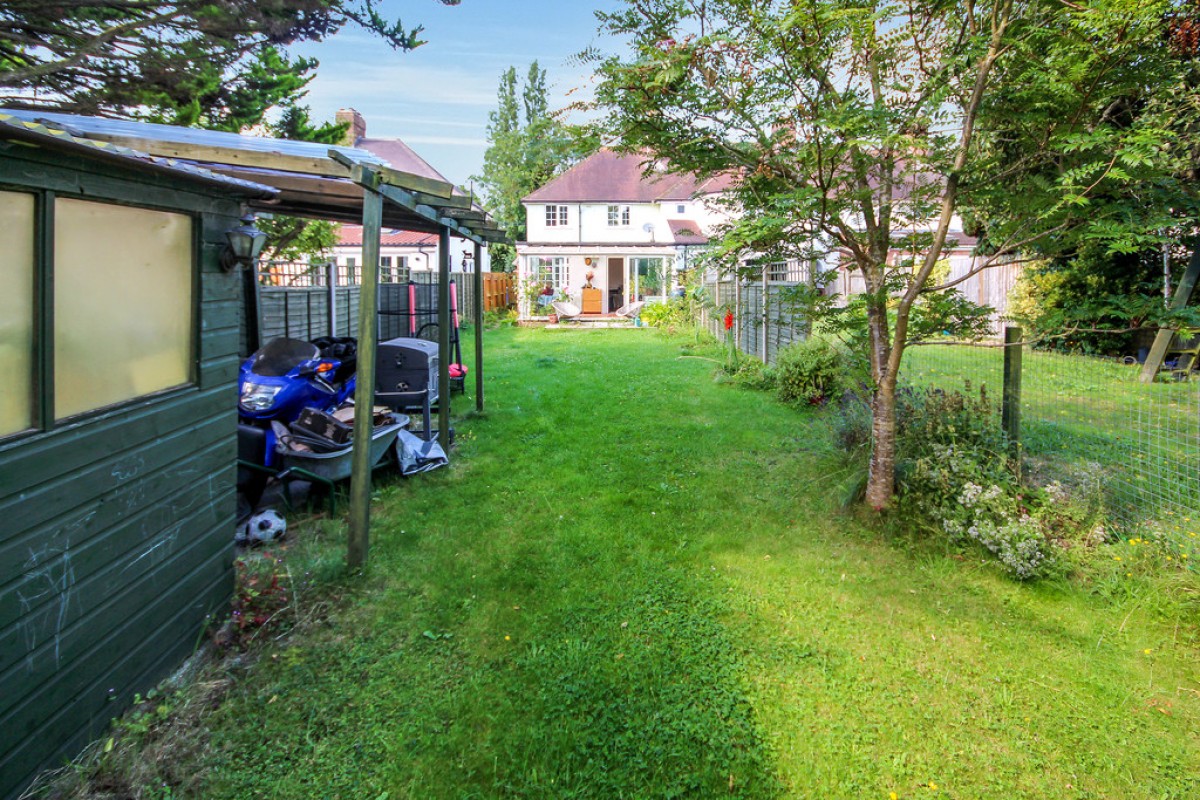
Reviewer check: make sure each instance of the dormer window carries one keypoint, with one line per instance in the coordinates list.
(556, 216)
(618, 216)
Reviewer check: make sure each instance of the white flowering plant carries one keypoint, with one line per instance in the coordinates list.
(955, 474)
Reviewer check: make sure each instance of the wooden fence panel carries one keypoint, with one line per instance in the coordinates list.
(783, 325)
(302, 312)
(498, 290)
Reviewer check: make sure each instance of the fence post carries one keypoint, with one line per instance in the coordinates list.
(331, 286)
(766, 312)
(737, 309)
(1010, 407)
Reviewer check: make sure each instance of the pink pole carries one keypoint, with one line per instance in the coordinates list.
(412, 309)
(454, 302)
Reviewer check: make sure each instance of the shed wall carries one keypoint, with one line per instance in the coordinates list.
(116, 528)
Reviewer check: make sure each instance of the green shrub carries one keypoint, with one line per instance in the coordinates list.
(809, 372)
(499, 318)
(953, 472)
(851, 425)
(672, 314)
(753, 374)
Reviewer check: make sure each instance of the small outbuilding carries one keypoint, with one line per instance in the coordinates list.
(119, 336)
(122, 326)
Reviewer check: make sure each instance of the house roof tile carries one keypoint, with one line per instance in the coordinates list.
(351, 236)
(686, 231)
(616, 177)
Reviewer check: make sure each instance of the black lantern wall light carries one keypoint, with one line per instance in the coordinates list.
(243, 246)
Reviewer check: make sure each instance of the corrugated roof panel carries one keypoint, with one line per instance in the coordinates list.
(102, 126)
(51, 132)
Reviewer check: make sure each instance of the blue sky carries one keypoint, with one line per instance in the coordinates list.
(437, 97)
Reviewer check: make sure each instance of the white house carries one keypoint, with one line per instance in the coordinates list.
(636, 232)
(603, 216)
(403, 252)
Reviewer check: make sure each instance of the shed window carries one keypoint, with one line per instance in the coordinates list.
(17, 267)
(123, 303)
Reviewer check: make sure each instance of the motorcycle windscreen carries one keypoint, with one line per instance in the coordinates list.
(281, 356)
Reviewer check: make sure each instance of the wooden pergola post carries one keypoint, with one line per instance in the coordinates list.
(450, 214)
(443, 295)
(364, 390)
(478, 326)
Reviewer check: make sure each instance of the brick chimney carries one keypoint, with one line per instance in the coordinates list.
(358, 126)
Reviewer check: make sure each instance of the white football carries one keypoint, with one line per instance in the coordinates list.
(265, 526)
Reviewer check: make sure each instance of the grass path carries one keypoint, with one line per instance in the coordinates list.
(637, 583)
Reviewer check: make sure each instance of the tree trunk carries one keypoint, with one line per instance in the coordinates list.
(881, 476)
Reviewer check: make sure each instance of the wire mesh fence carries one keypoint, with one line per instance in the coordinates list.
(1086, 421)
(1089, 421)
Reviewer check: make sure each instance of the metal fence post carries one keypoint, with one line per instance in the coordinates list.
(1010, 407)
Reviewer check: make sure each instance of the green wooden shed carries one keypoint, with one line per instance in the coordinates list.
(119, 339)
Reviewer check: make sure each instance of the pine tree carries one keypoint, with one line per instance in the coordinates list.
(195, 63)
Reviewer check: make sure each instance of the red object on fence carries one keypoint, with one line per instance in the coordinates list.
(412, 309)
(728, 320)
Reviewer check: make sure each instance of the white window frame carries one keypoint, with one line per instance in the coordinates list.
(618, 216)
(549, 269)
(556, 216)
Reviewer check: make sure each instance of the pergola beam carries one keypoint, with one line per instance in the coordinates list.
(386, 176)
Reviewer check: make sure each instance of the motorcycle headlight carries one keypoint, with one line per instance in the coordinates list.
(256, 397)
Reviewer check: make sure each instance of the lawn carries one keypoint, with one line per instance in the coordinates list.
(637, 583)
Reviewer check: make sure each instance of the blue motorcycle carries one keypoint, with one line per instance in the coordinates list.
(289, 375)
(282, 379)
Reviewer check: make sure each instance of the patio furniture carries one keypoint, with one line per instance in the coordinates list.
(631, 310)
(592, 301)
(566, 309)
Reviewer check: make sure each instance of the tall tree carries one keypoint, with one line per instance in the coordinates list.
(527, 145)
(863, 126)
(216, 64)
(119, 57)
